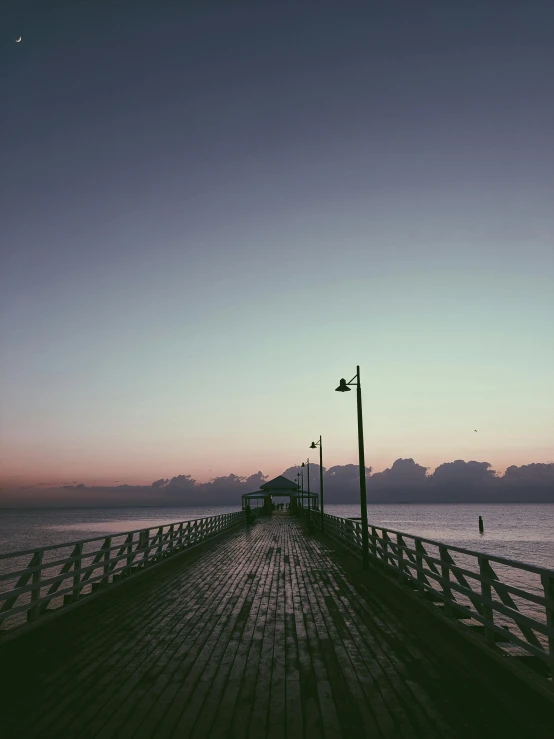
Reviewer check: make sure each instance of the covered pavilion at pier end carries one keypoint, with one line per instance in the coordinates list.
(281, 487)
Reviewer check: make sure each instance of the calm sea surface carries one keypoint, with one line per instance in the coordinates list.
(523, 532)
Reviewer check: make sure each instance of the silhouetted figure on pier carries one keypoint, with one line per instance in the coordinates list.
(248, 511)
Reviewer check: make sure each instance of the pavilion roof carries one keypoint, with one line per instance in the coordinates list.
(265, 493)
(278, 486)
(279, 483)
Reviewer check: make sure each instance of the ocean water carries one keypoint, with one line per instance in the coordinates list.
(522, 532)
(22, 529)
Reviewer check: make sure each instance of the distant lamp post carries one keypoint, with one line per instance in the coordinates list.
(309, 500)
(342, 388)
(297, 489)
(302, 471)
(314, 445)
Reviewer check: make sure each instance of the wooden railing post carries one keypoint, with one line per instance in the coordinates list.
(385, 540)
(160, 542)
(400, 545)
(372, 543)
(144, 543)
(33, 612)
(548, 585)
(129, 560)
(107, 553)
(78, 553)
(419, 563)
(486, 592)
(358, 534)
(445, 574)
(374, 538)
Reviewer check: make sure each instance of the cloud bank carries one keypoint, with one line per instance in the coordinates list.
(405, 481)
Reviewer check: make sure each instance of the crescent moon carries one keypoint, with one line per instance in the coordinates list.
(18, 40)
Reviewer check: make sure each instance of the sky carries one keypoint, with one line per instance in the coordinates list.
(211, 212)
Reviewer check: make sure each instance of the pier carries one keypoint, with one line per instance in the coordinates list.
(261, 630)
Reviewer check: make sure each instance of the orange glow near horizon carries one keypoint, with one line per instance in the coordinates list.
(54, 476)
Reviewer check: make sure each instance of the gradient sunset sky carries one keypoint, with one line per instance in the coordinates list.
(212, 212)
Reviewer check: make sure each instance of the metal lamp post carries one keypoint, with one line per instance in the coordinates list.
(302, 478)
(309, 499)
(313, 445)
(342, 388)
(298, 490)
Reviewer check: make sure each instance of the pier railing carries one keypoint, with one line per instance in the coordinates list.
(63, 574)
(510, 603)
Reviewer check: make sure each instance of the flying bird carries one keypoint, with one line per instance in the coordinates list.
(475, 430)
(18, 40)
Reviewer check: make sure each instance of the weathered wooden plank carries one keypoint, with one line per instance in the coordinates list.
(140, 701)
(196, 685)
(116, 646)
(382, 685)
(308, 689)
(171, 703)
(214, 674)
(269, 698)
(226, 708)
(379, 630)
(244, 703)
(260, 707)
(354, 710)
(325, 713)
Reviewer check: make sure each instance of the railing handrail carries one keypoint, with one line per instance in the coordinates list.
(519, 564)
(473, 591)
(24, 552)
(38, 588)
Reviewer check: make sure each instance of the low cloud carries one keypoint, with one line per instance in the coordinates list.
(403, 473)
(180, 483)
(530, 474)
(405, 481)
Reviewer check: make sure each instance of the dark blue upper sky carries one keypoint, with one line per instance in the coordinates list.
(186, 187)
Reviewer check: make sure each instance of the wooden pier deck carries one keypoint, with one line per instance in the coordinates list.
(265, 632)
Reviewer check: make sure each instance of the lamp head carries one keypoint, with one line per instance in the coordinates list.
(312, 445)
(343, 387)
(302, 465)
